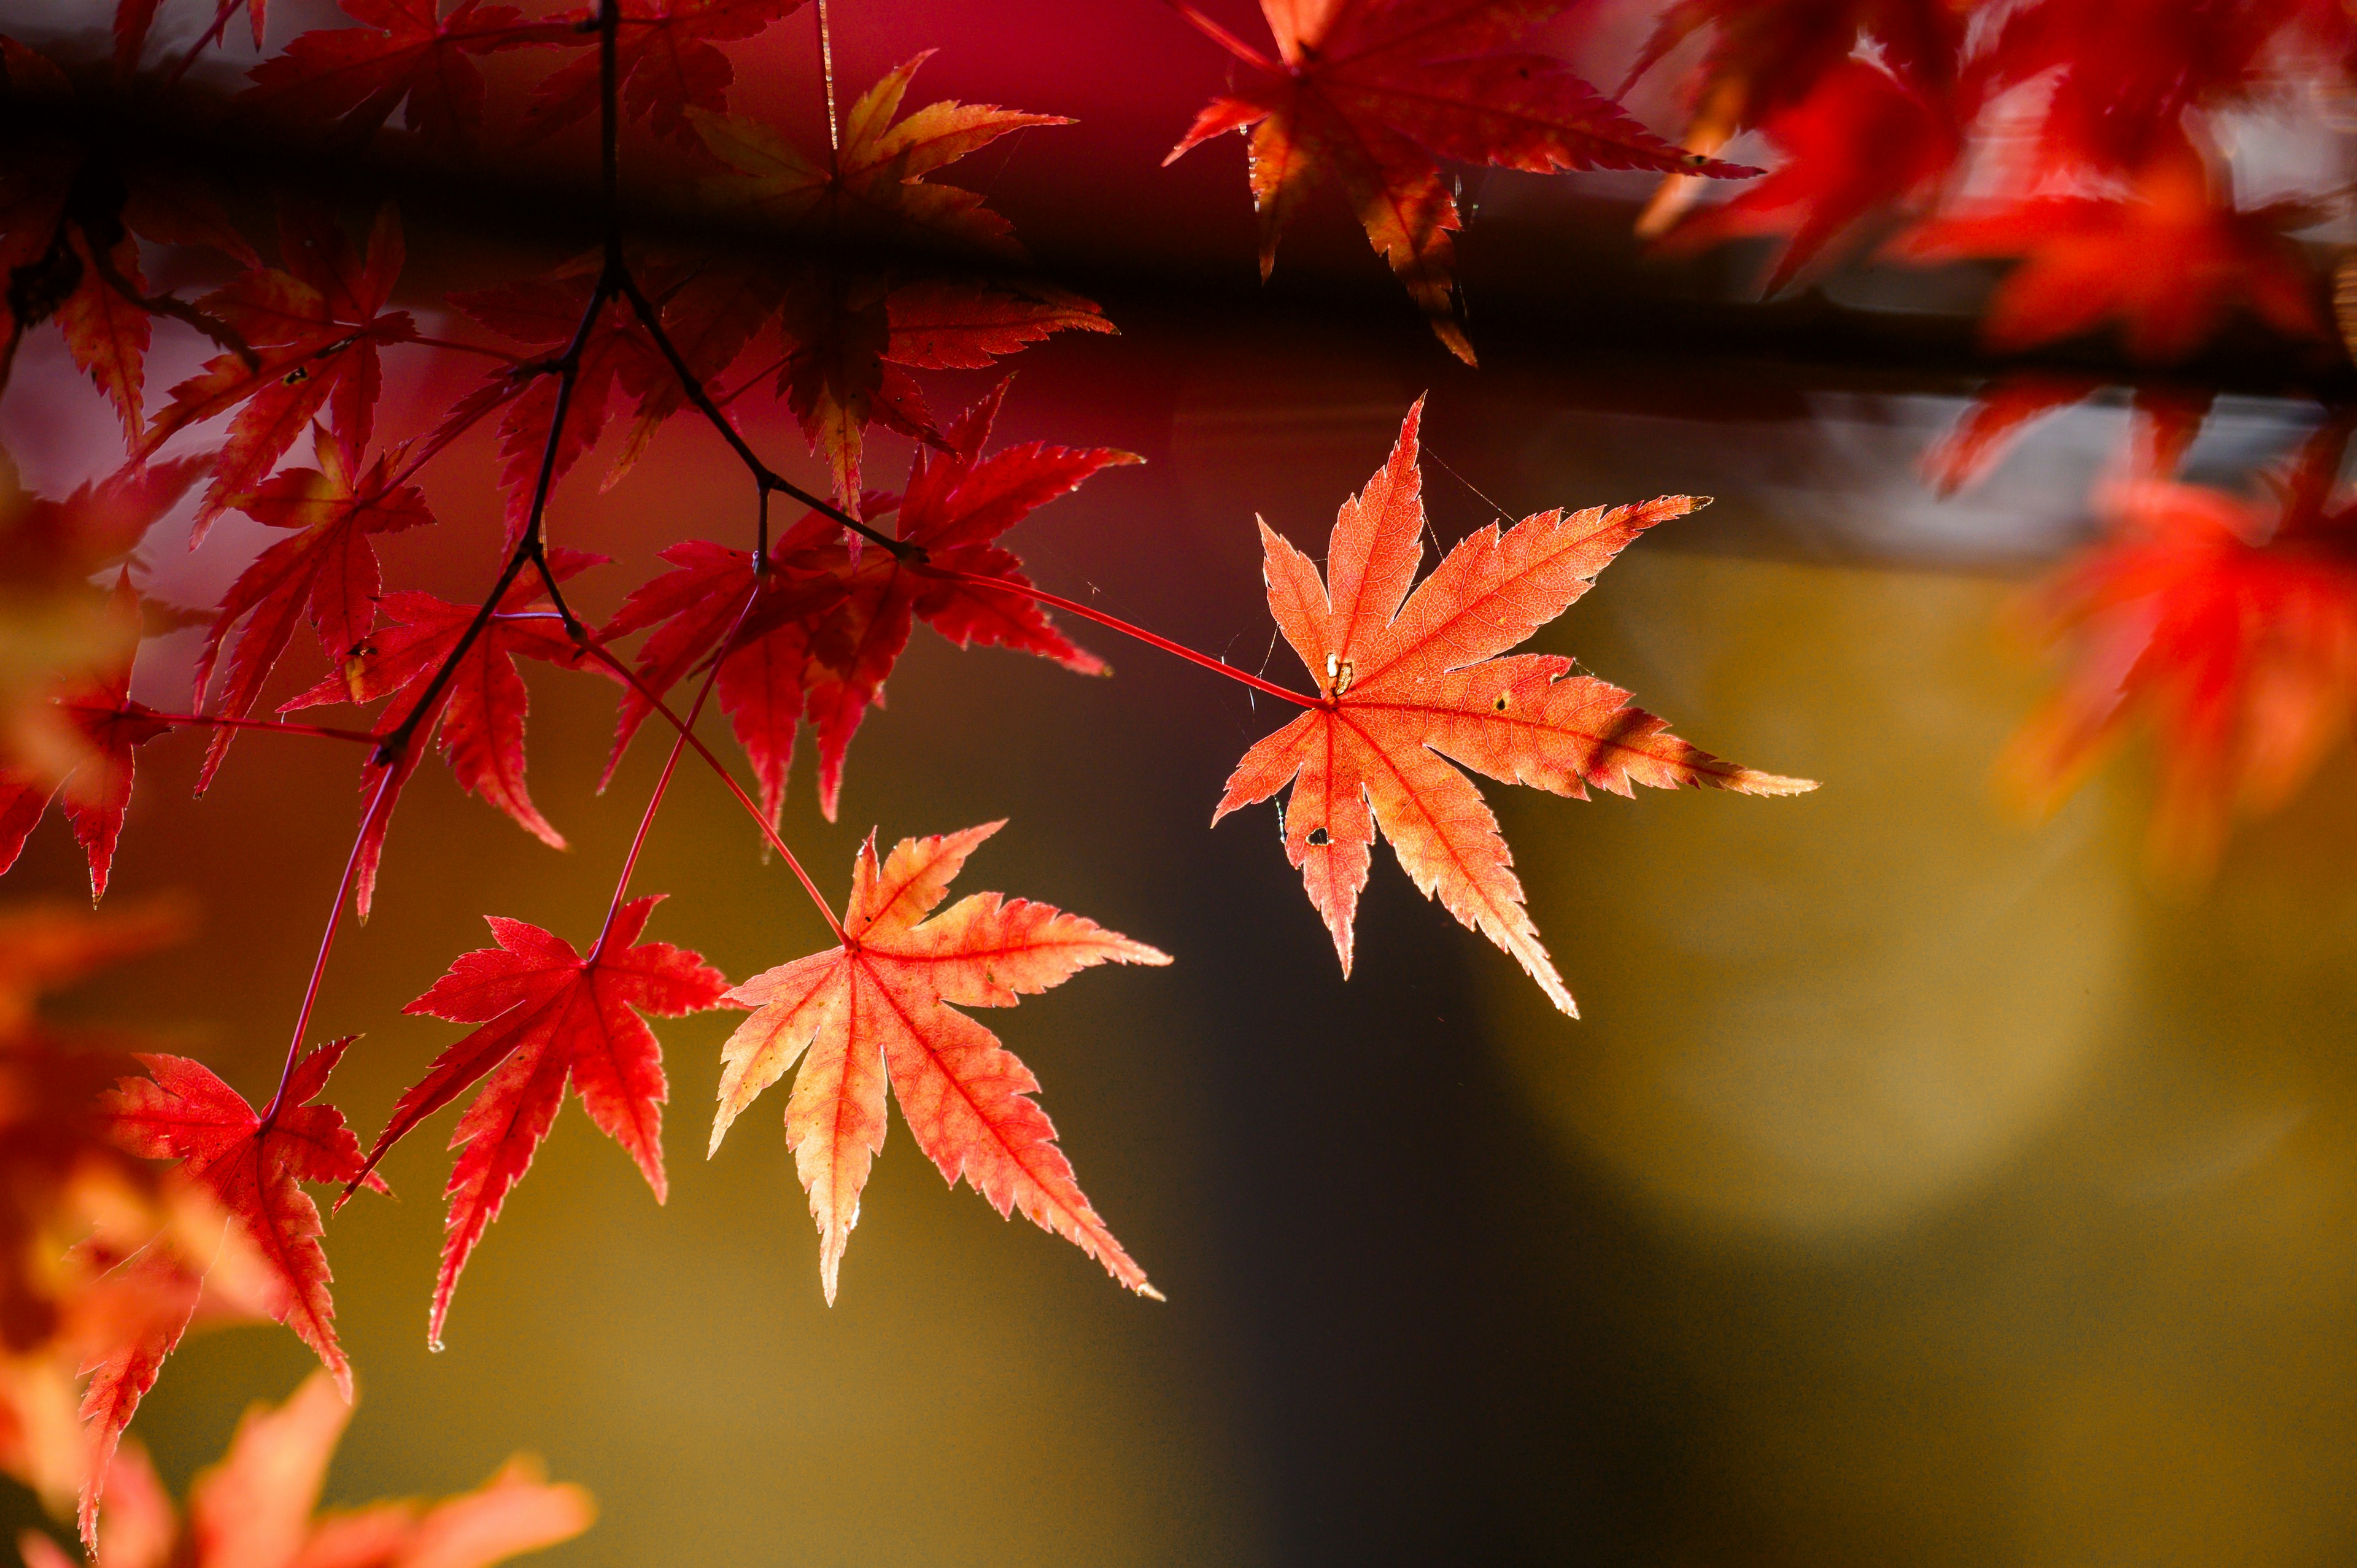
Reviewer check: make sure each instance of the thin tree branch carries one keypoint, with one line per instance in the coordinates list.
(598, 651)
(766, 477)
(1128, 628)
(178, 310)
(379, 803)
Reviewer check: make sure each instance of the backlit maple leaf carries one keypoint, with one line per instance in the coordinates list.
(1369, 92)
(1407, 682)
(665, 58)
(254, 1509)
(876, 269)
(828, 628)
(401, 53)
(2168, 263)
(550, 1016)
(325, 572)
(94, 785)
(2228, 625)
(478, 714)
(315, 327)
(182, 1112)
(100, 1252)
(881, 1010)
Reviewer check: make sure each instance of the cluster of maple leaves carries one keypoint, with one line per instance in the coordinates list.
(1918, 126)
(872, 270)
(2089, 142)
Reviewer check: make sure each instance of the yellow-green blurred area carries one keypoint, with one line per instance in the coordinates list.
(1920, 1186)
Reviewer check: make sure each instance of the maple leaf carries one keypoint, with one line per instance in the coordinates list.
(94, 785)
(881, 1010)
(1861, 143)
(138, 1243)
(254, 1169)
(2230, 624)
(325, 571)
(254, 1509)
(478, 714)
(549, 1015)
(403, 53)
(2167, 263)
(819, 642)
(1407, 682)
(1369, 92)
(316, 327)
(883, 271)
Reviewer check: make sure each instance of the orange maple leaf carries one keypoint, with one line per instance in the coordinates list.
(1369, 92)
(878, 1010)
(2229, 623)
(1405, 683)
(253, 1509)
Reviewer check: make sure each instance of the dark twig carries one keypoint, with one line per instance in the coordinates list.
(178, 310)
(764, 476)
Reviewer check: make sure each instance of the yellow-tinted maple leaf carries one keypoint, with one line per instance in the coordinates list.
(1407, 682)
(253, 1509)
(877, 1011)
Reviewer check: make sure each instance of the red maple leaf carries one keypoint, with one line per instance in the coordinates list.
(255, 1508)
(2229, 623)
(881, 1009)
(549, 1015)
(401, 53)
(2168, 263)
(95, 788)
(254, 1169)
(478, 714)
(1406, 683)
(666, 60)
(1858, 144)
(1368, 92)
(829, 625)
(315, 327)
(325, 571)
(879, 276)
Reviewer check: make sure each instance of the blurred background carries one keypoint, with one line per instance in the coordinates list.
(1921, 1185)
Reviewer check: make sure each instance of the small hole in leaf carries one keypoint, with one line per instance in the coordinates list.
(1501, 702)
(1317, 836)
